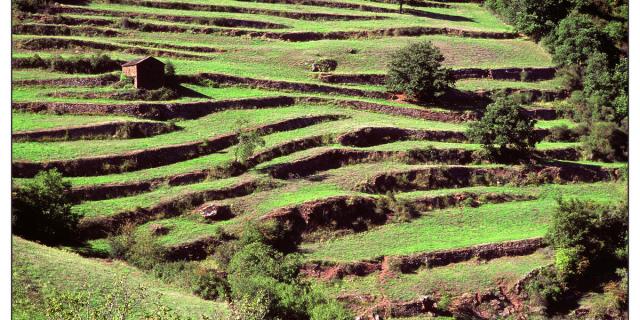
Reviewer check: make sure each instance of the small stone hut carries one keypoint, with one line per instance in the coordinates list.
(147, 72)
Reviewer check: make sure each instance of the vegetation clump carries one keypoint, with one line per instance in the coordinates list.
(591, 253)
(248, 142)
(417, 71)
(324, 65)
(41, 209)
(99, 63)
(505, 131)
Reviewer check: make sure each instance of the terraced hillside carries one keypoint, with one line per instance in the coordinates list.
(342, 159)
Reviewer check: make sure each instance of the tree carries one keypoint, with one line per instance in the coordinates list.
(534, 18)
(606, 88)
(417, 71)
(41, 209)
(248, 142)
(401, 3)
(504, 130)
(576, 38)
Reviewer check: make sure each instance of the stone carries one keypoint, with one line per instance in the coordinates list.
(215, 211)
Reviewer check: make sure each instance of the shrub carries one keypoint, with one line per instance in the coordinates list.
(417, 71)
(209, 285)
(125, 23)
(589, 238)
(29, 5)
(324, 65)
(41, 209)
(140, 249)
(248, 142)
(169, 72)
(94, 64)
(329, 311)
(504, 131)
(606, 142)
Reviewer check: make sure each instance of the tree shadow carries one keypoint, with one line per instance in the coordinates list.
(439, 16)
(188, 93)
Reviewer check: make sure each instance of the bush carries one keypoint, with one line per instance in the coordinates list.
(170, 73)
(417, 71)
(209, 285)
(589, 239)
(504, 131)
(324, 65)
(94, 64)
(140, 249)
(29, 5)
(264, 282)
(248, 142)
(41, 209)
(576, 38)
(605, 142)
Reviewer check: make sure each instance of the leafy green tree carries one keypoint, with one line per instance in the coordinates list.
(588, 238)
(575, 39)
(606, 89)
(417, 71)
(248, 142)
(534, 18)
(41, 209)
(504, 130)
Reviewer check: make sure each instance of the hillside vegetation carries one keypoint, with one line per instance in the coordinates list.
(320, 159)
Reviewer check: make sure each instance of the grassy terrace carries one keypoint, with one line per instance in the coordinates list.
(36, 266)
(453, 279)
(461, 227)
(462, 16)
(23, 121)
(291, 61)
(199, 129)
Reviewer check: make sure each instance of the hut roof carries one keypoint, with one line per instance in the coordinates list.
(140, 60)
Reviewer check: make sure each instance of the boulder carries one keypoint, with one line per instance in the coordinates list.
(215, 211)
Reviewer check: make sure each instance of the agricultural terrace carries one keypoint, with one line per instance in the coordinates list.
(336, 144)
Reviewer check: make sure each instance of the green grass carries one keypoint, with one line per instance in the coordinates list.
(461, 227)
(110, 207)
(484, 84)
(35, 266)
(24, 121)
(215, 124)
